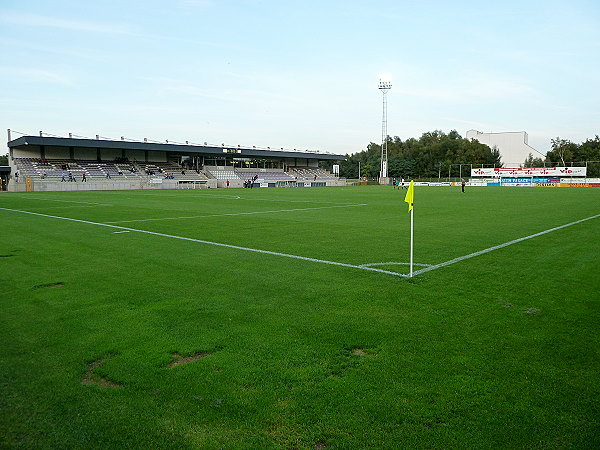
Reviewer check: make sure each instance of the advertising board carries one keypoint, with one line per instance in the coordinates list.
(529, 172)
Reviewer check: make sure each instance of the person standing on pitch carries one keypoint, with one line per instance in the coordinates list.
(462, 184)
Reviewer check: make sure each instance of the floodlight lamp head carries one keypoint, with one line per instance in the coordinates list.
(385, 85)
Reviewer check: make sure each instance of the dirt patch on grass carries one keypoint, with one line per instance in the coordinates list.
(532, 311)
(179, 360)
(320, 446)
(91, 377)
(49, 285)
(363, 352)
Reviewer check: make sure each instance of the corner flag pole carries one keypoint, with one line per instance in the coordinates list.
(412, 228)
(410, 199)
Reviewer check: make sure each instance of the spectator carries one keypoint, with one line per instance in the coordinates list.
(83, 177)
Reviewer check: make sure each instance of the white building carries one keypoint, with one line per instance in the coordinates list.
(513, 145)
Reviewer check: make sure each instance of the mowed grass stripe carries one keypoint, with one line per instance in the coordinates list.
(498, 247)
(218, 244)
(367, 266)
(249, 213)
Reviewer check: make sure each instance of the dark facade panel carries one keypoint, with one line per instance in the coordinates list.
(171, 148)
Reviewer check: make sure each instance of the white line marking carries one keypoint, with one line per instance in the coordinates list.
(119, 232)
(394, 263)
(304, 258)
(62, 201)
(237, 197)
(218, 244)
(497, 247)
(236, 214)
(64, 207)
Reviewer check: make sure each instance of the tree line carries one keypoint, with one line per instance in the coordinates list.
(569, 153)
(435, 154)
(438, 155)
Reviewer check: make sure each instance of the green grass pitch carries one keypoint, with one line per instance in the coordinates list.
(112, 337)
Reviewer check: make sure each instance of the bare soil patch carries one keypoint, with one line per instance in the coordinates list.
(367, 352)
(91, 377)
(532, 311)
(49, 285)
(180, 359)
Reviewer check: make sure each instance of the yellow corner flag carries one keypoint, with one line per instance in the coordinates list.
(410, 195)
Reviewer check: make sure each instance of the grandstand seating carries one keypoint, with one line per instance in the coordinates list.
(266, 176)
(160, 169)
(52, 170)
(232, 174)
(308, 173)
(223, 174)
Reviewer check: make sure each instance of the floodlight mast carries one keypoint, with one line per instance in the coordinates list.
(384, 87)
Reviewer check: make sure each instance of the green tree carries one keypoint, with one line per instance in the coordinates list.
(434, 152)
(4, 160)
(589, 151)
(563, 151)
(530, 161)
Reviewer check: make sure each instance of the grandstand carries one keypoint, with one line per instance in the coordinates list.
(311, 173)
(41, 163)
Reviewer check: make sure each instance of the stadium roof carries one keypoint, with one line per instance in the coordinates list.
(172, 148)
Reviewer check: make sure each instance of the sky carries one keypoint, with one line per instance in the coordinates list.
(299, 75)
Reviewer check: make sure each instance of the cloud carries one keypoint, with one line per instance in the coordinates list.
(199, 3)
(38, 76)
(468, 89)
(257, 96)
(34, 20)
(471, 123)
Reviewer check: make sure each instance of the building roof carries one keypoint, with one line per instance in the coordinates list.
(171, 148)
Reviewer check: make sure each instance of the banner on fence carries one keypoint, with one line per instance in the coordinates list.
(529, 172)
(432, 183)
